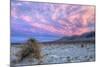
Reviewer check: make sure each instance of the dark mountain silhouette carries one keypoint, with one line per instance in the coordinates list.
(84, 36)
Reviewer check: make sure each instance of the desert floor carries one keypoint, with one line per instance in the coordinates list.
(63, 53)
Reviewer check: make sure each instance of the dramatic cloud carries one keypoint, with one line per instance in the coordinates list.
(50, 19)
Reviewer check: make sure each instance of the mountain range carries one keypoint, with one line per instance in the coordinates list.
(84, 36)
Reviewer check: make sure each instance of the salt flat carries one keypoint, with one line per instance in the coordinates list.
(64, 53)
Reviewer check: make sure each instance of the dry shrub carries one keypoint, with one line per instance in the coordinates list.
(31, 48)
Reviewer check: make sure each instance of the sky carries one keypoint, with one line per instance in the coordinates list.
(49, 21)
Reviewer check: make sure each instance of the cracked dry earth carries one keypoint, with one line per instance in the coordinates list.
(64, 53)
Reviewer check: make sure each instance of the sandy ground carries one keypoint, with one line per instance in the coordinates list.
(54, 54)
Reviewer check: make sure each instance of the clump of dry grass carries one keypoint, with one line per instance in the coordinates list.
(32, 48)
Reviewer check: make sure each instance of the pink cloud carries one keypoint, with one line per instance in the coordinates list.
(14, 13)
(83, 15)
(66, 26)
(88, 15)
(50, 28)
(81, 31)
(26, 18)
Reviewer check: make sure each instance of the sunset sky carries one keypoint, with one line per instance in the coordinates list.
(49, 21)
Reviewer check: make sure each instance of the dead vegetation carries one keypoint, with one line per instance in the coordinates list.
(31, 49)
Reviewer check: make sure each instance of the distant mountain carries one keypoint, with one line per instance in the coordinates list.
(88, 34)
(84, 36)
